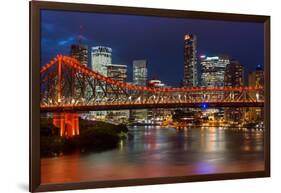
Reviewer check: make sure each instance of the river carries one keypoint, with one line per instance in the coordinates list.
(152, 151)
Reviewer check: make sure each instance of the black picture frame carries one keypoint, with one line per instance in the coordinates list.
(34, 100)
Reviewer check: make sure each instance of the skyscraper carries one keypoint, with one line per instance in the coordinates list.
(140, 79)
(140, 72)
(234, 74)
(212, 75)
(213, 70)
(79, 52)
(258, 75)
(101, 56)
(234, 77)
(190, 78)
(256, 79)
(118, 73)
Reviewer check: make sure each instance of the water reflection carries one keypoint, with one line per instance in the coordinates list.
(158, 152)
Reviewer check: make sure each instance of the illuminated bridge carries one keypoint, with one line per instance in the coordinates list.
(67, 85)
(70, 87)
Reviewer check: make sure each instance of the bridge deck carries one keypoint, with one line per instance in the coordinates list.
(77, 108)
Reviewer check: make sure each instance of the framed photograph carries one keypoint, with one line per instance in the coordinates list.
(123, 96)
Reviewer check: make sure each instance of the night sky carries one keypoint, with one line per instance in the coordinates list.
(159, 40)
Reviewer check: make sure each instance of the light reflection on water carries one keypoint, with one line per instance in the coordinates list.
(158, 152)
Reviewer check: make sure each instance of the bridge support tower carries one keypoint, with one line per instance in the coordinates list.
(68, 123)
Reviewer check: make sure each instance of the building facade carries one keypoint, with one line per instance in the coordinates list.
(234, 74)
(190, 77)
(212, 76)
(100, 57)
(140, 72)
(158, 115)
(234, 77)
(213, 70)
(256, 79)
(118, 73)
(140, 79)
(79, 52)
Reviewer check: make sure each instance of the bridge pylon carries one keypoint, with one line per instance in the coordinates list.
(68, 123)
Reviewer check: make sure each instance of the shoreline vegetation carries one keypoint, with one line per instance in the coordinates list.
(94, 136)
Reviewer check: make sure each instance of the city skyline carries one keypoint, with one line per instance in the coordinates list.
(53, 41)
(129, 97)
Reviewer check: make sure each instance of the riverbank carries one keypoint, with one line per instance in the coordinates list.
(94, 136)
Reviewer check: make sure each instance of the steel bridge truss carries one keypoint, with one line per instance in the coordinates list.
(67, 85)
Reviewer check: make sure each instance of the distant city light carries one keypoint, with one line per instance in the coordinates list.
(212, 58)
(204, 105)
(186, 37)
